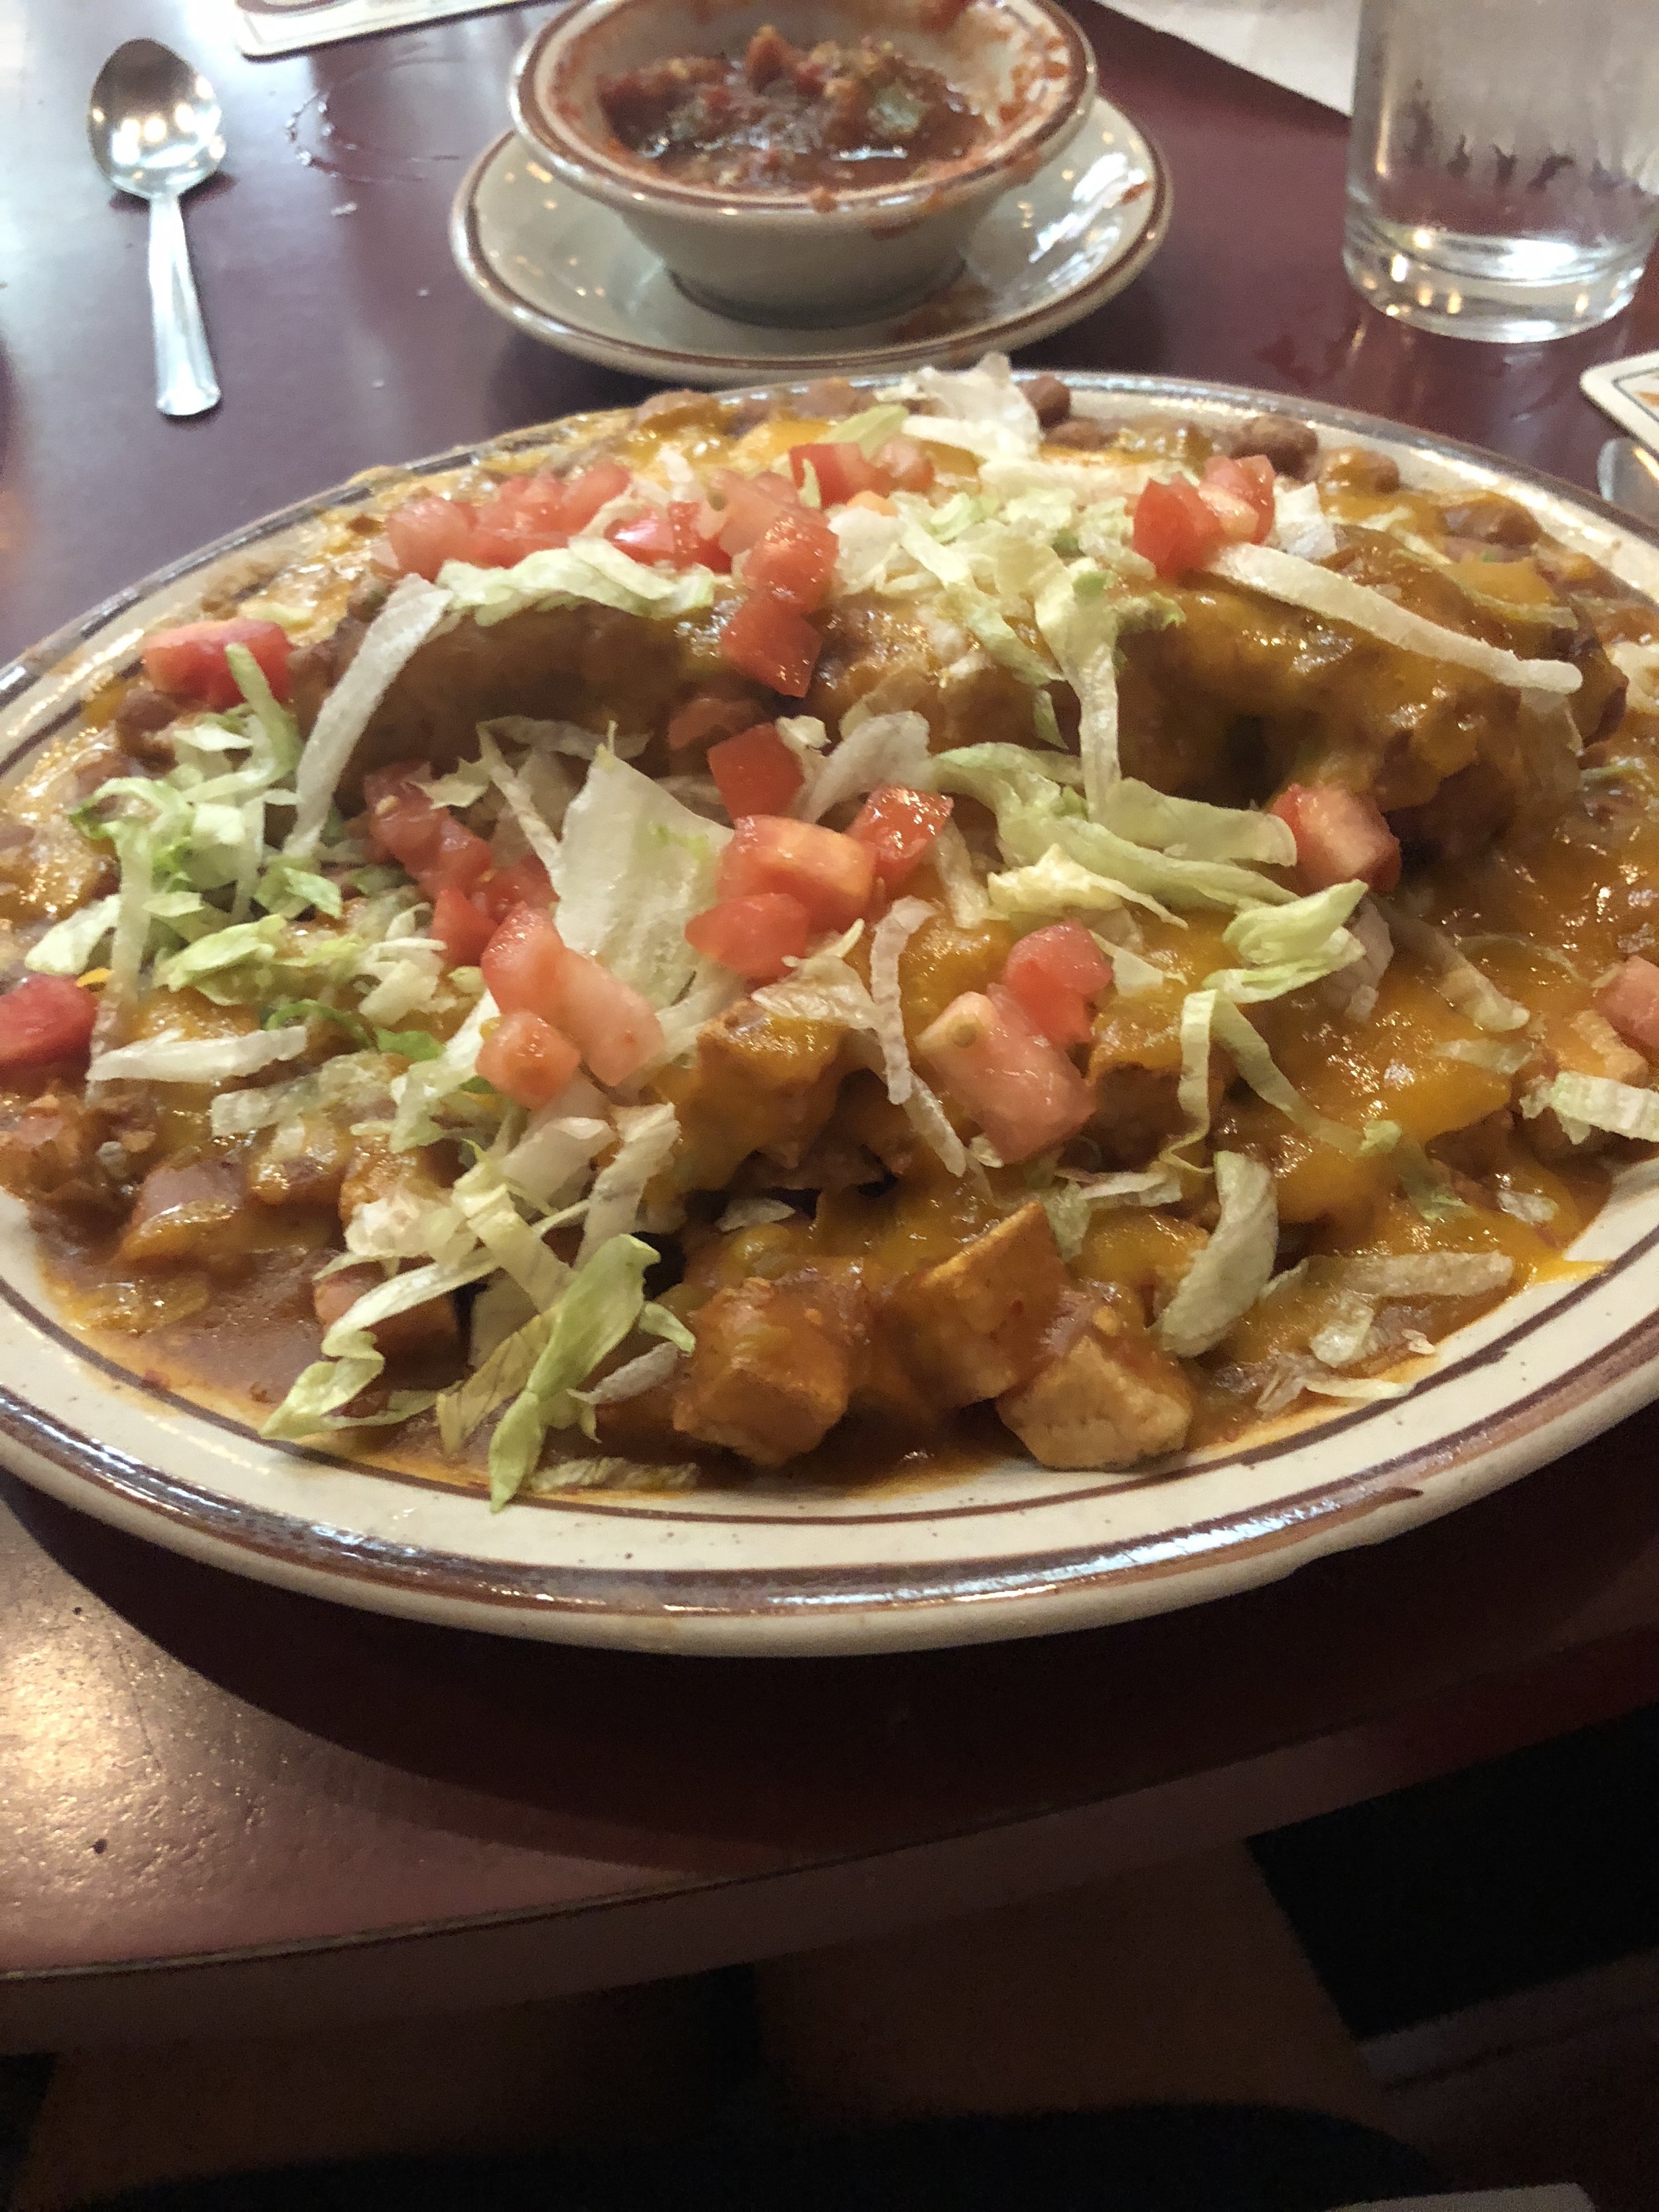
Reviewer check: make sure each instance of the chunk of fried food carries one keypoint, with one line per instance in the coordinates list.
(772, 1368)
(1104, 1395)
(973, 1326)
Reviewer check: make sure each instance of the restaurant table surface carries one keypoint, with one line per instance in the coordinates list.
(226, 1804)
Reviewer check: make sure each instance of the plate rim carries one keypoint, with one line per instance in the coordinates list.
(667, 364)
(1047, 1591)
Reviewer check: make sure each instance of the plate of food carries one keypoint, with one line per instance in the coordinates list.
(825, 1019)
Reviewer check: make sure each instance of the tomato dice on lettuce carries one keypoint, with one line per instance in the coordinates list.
(832, 876)
(1174, 528)
(1022, 1091)
(1056, 974)
(425, 532)
(794, 560)
(43, 1019)
(755, 771)
(899, 825)
(437, 850)
(189, 662)
(1240, 495)
(1341, 836)
(766, 638)
(529, 968)
(527, 1059)
(460, 926)
(754, 936)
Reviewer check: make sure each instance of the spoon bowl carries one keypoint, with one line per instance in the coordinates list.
(155, 130)
(153, 122)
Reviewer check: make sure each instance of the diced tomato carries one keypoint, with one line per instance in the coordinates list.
(1630, 1000)
(1024, 1094)
(581, 496)
(840, 468)
(1173, 527)
(697, 528)
(426, 532)
(831, 875)
(501, 543)
(522, 961)
(460, 926)
(529, 968)
(905, 464)
(647, 537)
(1055, 973)
(793, 560)
(189, 662)
(612, 1026)
(436, 850)
(749, 505)
(45, 1018)
(1341, 836)
(527, 1059)
(525, 884)
(772, 643)
(670, 534)
(707, 715)
(753, 937)
(898, 825)
(1236, 494)
(756, 772)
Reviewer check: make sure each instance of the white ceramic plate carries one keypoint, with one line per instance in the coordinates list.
(768, 1565)
(571, 273)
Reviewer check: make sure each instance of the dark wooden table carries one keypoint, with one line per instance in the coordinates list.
(225, 1805)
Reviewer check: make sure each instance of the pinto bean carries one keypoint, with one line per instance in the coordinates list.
(1289, 444)
(1050, 398)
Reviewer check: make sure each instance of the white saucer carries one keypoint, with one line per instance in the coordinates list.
(568, 272)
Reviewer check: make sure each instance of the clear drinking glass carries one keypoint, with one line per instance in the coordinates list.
(1503, 165)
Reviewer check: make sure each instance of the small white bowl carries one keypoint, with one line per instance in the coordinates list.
(786, 257)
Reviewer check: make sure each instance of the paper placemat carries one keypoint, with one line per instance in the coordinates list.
(1306, 46)
(267, 28)
(1628, 390)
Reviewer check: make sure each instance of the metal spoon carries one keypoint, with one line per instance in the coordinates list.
(1627, 475)
(152, 124)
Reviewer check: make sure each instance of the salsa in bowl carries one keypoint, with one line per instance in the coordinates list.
(792, 164)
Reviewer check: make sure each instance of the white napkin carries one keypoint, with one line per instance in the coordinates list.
(294, 27)
(1306, 46)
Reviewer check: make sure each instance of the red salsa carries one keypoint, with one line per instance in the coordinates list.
(787, 118)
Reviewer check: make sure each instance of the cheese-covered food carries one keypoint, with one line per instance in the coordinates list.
(827, 933)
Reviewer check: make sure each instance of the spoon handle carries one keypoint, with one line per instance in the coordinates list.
(185, 381)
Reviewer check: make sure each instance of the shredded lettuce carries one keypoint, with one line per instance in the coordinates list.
(1455, 977)
(869, 430)
(893, 933)
(412, 613)
(980, 409)
(631, 1379)
(599, 1306)
(1286, 948)
(590, 569)
(174, 1058)
(1231, 1271)
(1194, 830)
(1053, 884)
(647, 1137)
(350, 1361)
(633, 867)
(1079, 625)
(1583, 1103)
(1336, 598)
(1420, 1274)
(1035, 812)
(66, 948)
(884, 749)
